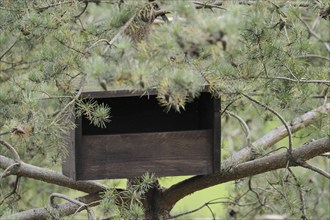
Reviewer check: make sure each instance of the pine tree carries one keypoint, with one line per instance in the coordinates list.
(268, 60)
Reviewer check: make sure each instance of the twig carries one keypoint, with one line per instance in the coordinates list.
(12, 169)
(207, 204)
(74, 49)
(12, 192)
(8, 50)
(5, 132)
(301, 196)
(254, 192)
(127, 24)
(278, 115)
(83, 11)
(313, 56)
(110, 43)
(232, 102)
(97, 42)
(200, 5)
(300, 80)
(41, 9)
(90, 212)
(327, 46)
(315, 169)
(11, 149)
(72, 101)
(245, 126)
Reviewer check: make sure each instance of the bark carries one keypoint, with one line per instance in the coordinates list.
(50, 176)
(159, 202)
(278, 134)
(63, 209)
(250, 168)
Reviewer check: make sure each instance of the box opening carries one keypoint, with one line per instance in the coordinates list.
(136, 114)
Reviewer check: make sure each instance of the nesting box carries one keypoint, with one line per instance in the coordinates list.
(143, 137)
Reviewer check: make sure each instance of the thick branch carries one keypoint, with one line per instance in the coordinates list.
(64, 209)
(51, 176)
(277, 134)
(258, 166)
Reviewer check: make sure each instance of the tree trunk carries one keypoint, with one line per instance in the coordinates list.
(153, 203)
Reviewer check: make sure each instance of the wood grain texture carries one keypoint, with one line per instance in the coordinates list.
(143, 137)
(131, 155)
(216, 125)
(74, 141)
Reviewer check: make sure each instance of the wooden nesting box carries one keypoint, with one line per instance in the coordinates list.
(143, 137)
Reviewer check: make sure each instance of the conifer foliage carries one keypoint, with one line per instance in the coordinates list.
(268, 60)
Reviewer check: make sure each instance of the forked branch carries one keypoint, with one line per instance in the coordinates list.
(91, 215)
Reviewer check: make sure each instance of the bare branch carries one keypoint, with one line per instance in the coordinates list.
(5, 132)
(82, 205)
(10, 170)
(11, 149)
(301, 196)
(211, 202)
(313, 56)
(51, 176)
(278, 115)
(327, 46)
(64, 209)
(278, 134)
(8, 50)
(245, 169)
(315, 169)
(245, 126)
(83, 10)
(13, 192)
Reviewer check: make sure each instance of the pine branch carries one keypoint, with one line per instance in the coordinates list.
(64, 209)
(279, 133)
(50, 176)
(315, 169)
(278, 115)
(313, 33)
(82, 206)
(307, 56)
(245, 169)
(182, 189)
(11, 149)
(245, 126)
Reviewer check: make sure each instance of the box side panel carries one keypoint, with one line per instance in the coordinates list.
(131, 155)
(69, 167)
(216, 135)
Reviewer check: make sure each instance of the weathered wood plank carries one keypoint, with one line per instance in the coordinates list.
(165, 153)
(142, 137)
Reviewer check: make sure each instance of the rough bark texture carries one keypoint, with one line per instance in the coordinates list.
(50, 176)
(63, 209)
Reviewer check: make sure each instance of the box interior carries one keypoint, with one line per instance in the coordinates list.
(137, 114)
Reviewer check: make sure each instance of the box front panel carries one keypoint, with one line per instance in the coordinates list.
(131, 155)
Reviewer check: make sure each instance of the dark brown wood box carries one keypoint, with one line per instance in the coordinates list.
(143, 137)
